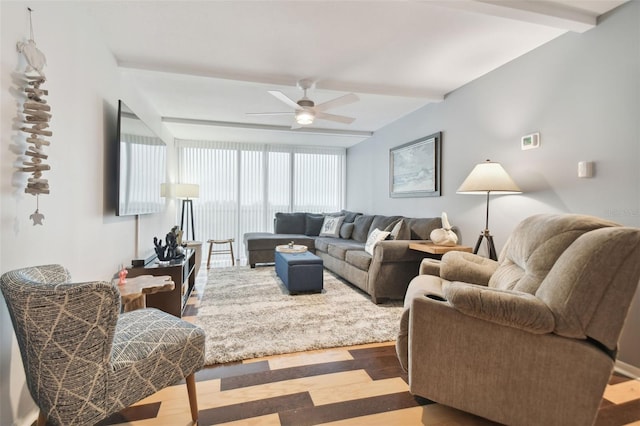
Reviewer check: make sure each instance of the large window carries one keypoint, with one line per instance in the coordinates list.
(242, 186)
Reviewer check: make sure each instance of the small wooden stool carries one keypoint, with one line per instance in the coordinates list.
(223, 251)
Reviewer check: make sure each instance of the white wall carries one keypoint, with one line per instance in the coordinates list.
(80, 228)
(580, 91)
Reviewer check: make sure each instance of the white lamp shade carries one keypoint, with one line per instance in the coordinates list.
(180, 190)
(488, 177)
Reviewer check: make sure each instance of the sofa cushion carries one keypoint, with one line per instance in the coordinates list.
(346, 230)
(268, 241)
(400, 231)
(358, 258)
(381, 222)
(322, 244)
(331, 226)
(313, 224)
(290, 223)
(338, 248)
(420, 228)
(337, 251)
(361, 227)
(349, 217)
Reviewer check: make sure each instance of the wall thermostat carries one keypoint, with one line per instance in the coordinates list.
(530, 141)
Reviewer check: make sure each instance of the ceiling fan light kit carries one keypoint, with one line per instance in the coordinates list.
(305, 116)
(306, 111)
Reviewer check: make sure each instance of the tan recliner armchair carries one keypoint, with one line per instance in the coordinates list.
(530, 339)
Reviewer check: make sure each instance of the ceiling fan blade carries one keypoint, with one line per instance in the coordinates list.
(269, 113)
(342, 100)
(284, 98)
(333, 117)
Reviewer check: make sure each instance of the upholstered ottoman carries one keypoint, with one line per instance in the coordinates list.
(300, 272)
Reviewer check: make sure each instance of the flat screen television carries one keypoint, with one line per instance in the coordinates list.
(142, 165)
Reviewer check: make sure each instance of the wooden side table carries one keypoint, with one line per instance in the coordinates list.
(431, 264)
(133, 292)
(438, 250)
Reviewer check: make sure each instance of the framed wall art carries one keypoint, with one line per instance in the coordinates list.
(414, 168)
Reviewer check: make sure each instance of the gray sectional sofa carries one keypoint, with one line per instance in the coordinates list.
(383, 275)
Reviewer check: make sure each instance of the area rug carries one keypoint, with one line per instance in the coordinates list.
(248, 313)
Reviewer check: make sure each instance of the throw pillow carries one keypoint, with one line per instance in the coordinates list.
(331, 226)
(390, 228)
(289, 223)
(400, 231)
(375, 237)
(346, 230)
(313, 224)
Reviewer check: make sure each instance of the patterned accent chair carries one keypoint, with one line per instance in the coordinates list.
(532, 338)
(84, 360)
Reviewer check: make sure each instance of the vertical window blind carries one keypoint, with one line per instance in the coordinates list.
(243, 186)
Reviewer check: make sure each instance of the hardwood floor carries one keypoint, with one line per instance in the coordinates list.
(360, 385)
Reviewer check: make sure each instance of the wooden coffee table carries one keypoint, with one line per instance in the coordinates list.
(295, 248)
(133, 291)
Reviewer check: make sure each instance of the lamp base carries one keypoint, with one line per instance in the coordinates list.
(491, 248)
(187, 207)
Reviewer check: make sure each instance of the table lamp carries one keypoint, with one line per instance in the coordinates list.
(486, 178)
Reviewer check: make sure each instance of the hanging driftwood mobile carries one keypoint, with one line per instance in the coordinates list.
(37, 114)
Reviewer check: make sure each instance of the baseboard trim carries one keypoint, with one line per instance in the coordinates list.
(627, 369)
(29, 419)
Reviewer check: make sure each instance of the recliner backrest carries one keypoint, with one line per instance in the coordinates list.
(591, 286)
(534, 247)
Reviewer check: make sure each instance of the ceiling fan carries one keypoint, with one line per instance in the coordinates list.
(306, 111)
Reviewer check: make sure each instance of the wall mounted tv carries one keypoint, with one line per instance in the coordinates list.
(142, 165)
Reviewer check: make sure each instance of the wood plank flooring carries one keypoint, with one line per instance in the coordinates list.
(360, 385)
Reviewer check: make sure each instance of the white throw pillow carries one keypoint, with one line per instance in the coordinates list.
(395, 231)
(375, 236)
(331, 226)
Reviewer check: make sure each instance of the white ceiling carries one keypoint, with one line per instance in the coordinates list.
(204, 64)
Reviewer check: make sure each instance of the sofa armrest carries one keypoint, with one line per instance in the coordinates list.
(467, 267)
(396, 251)
(511, 308)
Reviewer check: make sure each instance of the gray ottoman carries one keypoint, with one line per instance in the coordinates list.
(300, 272)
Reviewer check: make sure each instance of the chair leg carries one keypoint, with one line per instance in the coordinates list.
(42, 419)
(209, 258)
(233, 261)
(193, 397)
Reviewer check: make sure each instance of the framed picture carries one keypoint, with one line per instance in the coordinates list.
(414, 168)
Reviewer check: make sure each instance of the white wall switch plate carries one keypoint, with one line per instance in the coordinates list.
(530, 141)
(585, 169)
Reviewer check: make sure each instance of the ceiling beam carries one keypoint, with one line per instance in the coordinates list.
(428, 95)
(555, 14)
(269, 127)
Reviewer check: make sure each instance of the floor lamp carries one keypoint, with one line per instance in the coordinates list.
(186, 192)
(486, 178)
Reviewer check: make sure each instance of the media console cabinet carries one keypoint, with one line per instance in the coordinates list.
(182, 273)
